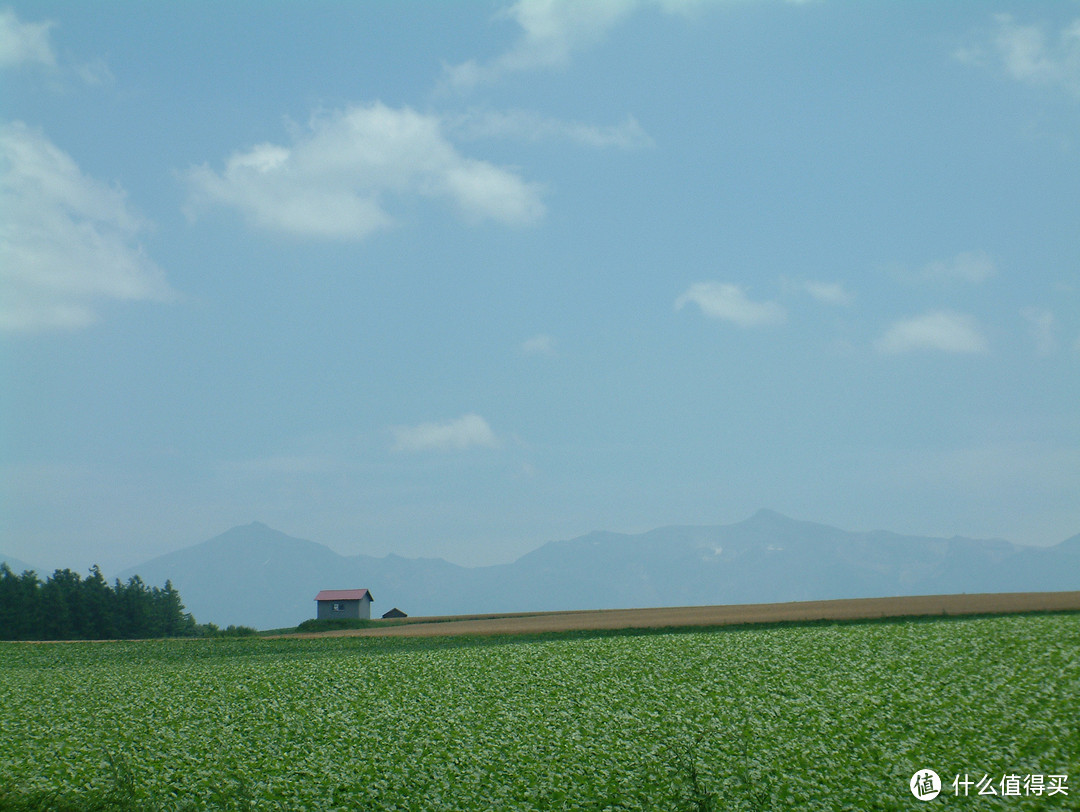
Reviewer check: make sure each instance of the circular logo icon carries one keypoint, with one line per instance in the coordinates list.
(925, 785)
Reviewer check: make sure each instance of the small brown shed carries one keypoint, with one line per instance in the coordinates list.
(343, 603)
(394, 613)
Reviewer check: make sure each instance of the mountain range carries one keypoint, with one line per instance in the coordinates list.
(256, 576)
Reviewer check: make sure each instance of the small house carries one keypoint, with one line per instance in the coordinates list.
(354, 604)
(394, 613)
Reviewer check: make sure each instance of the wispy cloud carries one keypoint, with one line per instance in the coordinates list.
(1042, 324)
(830, 293)
(728, 302)
(964, 268)
(1028, 53)
(551, 31)
(525, 125)
(334, 179)
(467, 431)
(24, 43)
(939, 330)
(541, 344)
(67, 241)
(968, 266)
(29, 45)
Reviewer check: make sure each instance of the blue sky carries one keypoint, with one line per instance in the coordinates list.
(456, 279)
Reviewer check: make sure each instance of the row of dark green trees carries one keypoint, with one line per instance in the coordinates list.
(69, 607)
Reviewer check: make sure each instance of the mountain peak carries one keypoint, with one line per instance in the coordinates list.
(764, 515)
(255, 531)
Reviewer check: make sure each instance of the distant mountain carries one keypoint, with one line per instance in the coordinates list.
(254, 575)
(17, 566)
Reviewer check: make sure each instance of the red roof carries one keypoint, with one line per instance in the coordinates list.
(343, 595)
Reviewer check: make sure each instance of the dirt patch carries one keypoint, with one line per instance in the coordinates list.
(853, 609)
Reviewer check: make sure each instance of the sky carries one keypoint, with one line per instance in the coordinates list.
(456, 279)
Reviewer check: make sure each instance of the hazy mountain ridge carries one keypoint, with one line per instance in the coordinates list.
(254, 575)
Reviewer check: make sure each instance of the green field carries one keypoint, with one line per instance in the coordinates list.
(827, 716)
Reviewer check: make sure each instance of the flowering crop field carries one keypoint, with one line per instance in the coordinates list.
(802, 717)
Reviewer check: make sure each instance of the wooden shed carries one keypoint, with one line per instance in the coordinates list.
(343, 603)
(394, 613)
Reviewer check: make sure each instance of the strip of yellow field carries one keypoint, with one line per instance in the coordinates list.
(851, 609)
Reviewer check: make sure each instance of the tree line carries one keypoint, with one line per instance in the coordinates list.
(68, 607)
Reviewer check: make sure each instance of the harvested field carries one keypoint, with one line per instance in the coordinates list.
(852, 609)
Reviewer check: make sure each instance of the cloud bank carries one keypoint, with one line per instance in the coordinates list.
(335, 179)
(67, 241)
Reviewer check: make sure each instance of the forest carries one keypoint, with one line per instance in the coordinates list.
(67, 606)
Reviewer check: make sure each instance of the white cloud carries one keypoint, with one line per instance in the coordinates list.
(529, 126)
(468, 431)
(968, 266)
(67, 241)
(24, 43)
(551, 31)
(830, 293)
(1028, 53)
(541, 344)
(334, 179)
(938, 330)
(96, 72)
(1042, 324)
(728, 302)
